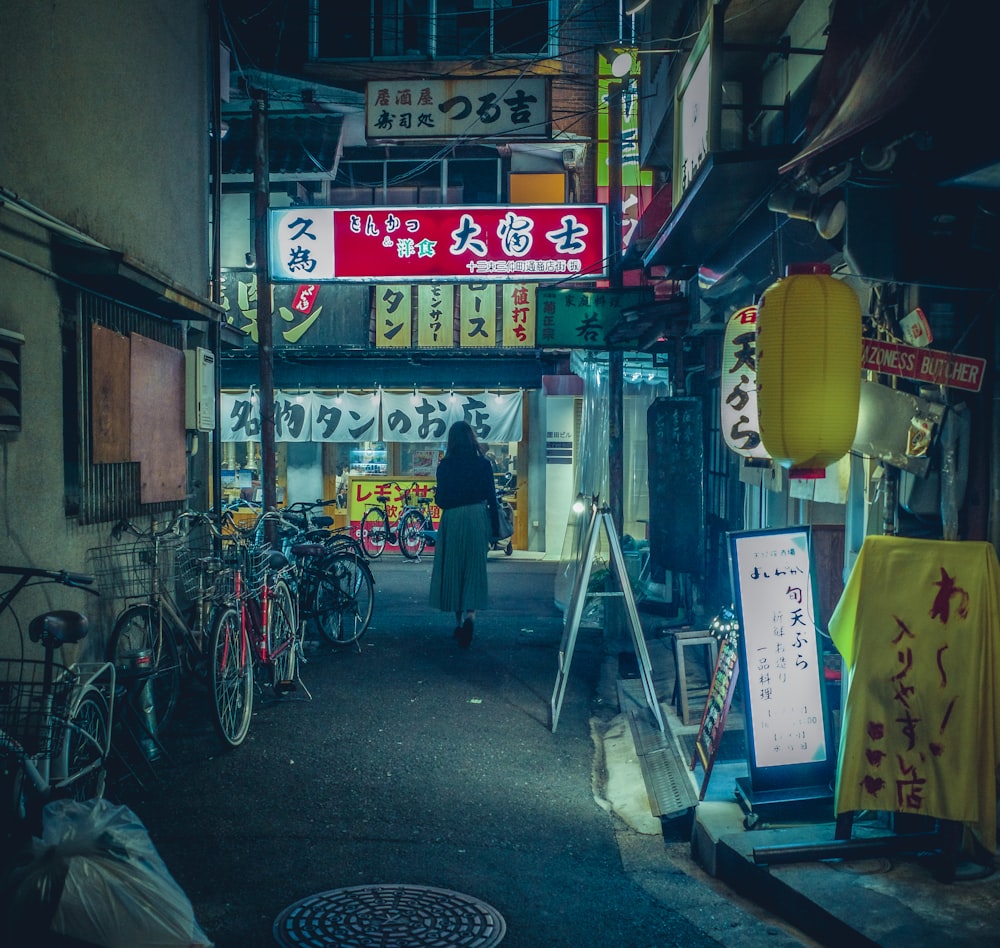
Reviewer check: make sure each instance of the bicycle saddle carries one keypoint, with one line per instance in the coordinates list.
(61, 627)
(277, 560)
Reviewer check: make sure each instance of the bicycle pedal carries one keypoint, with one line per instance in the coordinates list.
(284, 687)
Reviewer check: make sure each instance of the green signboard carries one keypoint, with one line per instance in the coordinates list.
(581, 319)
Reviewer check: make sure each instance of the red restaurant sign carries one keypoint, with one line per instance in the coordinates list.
(456, 243)
(923, 365)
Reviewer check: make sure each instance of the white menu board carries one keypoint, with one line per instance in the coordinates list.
(783, 683)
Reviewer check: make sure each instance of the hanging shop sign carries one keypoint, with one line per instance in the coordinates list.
(461, 243)
(637, 185)
(923, 365)
(781, 665)
(303, 314)
(411, 417)
(506, 107)
(469, 315)
(581, 319)
(738, 389)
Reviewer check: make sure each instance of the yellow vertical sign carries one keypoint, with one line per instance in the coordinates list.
(435, 316)
(393, 316)
(518, 316)
(478, 314)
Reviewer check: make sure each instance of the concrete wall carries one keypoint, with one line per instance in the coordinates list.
(105, 127)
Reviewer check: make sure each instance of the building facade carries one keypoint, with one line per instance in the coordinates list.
(408, 107)
(104, 269)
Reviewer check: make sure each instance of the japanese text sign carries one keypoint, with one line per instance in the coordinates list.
(376, 416)
(508, 107)
(581, 319)
(453, 243)
(738, 389)
(781, 662)
(918, 625)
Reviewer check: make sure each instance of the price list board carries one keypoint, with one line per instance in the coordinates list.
(781, 659)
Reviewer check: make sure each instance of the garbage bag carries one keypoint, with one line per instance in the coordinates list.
(96, 874)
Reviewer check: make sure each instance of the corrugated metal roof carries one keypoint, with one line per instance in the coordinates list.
(302, 144)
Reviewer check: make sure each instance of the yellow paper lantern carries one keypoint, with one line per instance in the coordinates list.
(808, 369)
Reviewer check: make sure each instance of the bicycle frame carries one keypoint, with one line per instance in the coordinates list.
(46, 704)
(51, 773)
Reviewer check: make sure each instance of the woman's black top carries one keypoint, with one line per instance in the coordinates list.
(463, 480)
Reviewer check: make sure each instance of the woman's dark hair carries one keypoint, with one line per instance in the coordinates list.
(462, 441)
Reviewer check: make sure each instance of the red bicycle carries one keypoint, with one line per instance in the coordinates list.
(255, 640)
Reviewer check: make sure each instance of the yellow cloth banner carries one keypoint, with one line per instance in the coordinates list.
(918, 627)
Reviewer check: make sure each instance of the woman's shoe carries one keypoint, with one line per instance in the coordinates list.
(464, 634)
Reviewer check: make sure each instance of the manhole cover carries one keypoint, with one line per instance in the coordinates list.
(390, 916)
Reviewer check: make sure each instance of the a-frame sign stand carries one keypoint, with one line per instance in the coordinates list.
(601, 517)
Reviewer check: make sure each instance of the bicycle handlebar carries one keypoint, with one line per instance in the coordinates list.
(27, 573)
(63, 576)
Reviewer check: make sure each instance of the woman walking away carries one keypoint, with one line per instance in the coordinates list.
(466, 494)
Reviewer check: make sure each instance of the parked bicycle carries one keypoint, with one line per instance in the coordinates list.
(428, 532)
(154, 635)
(416, 526)
(55, 719)
(377, 527)
(255, 639)
(335, 585)
(504, 492)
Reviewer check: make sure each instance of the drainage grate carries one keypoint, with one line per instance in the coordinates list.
(390, 916)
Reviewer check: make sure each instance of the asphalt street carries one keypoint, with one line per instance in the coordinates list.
(417, 763)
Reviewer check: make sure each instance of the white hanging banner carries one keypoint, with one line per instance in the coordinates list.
(417, 416)
(410, 417)
(494, 417)
(345, 417)
(293, 417)
(240, 417)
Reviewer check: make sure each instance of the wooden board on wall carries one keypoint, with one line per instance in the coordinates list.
(109, 396)
(158, 442)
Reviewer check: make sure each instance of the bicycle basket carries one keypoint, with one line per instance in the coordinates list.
(125, 570)
(190, 565)
(249, 555)
(25, 713)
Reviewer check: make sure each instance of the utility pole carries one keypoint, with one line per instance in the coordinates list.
(265, 347)
(616, 359)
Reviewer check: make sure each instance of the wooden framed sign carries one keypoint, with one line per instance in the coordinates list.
(789, 744)
(713, 719)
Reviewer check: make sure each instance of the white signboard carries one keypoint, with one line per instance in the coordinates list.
(508, 106)
(783, 681)
(411, 417)
(738, 388)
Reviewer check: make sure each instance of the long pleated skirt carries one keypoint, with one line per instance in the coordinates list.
(458, 577)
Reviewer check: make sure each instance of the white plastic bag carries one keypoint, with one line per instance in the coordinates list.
(117, 891)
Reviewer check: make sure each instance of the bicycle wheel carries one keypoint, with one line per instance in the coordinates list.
(374, 531)
(345, 597)
(282, 638)
(230, 676)
(142, 628)
(412, 538)
(86, 738)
